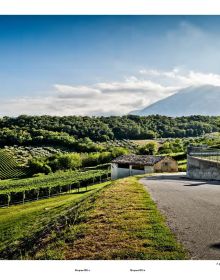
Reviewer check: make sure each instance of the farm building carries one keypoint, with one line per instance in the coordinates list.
(128, 165)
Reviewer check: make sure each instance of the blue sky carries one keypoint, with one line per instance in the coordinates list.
(102, 65)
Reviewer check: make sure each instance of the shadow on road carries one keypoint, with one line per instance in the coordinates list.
(215, 246)
(197, 184)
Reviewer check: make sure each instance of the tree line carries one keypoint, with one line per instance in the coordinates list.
(81, 132)
(72, 161)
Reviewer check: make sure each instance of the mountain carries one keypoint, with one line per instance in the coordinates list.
(203, 100)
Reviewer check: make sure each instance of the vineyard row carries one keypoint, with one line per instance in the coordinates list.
(23, 194)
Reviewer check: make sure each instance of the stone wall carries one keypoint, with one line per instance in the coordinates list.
(203, 169)
(166, 165)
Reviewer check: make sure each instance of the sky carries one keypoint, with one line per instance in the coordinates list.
(102, 65)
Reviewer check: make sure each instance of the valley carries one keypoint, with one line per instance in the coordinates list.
(56, 188)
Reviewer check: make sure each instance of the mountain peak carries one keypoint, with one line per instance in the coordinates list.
(193, 100)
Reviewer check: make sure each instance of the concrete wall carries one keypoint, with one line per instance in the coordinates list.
(117, 172)
(137, 172)
(202, 169)
(148, 169)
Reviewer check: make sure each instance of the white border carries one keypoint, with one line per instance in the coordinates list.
(103, 270)
(171, 270)
(108, 7)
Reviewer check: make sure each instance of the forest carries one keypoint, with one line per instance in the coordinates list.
(81, 132)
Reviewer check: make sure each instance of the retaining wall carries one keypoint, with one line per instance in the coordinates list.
(203, 169)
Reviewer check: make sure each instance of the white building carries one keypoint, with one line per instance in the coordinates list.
(128, 165)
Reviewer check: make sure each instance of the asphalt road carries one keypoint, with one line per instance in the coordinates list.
(192, 210)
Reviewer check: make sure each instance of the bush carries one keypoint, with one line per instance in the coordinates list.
(90, 159)
(37, 166)
(70, 161)
(118, 151)
(148, 149)
(182, 168)
(94, 159)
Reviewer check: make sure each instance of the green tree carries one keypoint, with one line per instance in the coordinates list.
(37, 166)
(150, 148)
(69, 161)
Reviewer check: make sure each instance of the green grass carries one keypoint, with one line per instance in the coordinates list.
(121, 222)
(20, 223)
(182, 165)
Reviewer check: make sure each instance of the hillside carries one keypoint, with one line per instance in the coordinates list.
(20, 225)
(9, 167)
(203, 100)
(63, 227)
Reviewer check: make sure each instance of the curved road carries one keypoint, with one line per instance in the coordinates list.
(192, 210)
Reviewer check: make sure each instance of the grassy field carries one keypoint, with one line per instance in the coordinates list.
(20, 223)
(144, 142)
(121, 222)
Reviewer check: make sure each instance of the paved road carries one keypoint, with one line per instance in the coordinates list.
(192, 209)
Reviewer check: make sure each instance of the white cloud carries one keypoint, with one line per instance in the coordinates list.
(67, 91)
(183, 78)
(109, 98)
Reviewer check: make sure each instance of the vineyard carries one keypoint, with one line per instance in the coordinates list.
(22, 154)
(13, 192)
(9, 167)
(124, 143)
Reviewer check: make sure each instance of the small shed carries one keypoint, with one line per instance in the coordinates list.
(128, 165)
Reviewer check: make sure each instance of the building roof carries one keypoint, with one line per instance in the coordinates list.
(138, 159)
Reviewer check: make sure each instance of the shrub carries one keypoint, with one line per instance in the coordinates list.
(118, 151)
(148, 149)
(69, 161)
(37, 166)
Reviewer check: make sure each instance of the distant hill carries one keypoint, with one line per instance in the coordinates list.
(203, 100)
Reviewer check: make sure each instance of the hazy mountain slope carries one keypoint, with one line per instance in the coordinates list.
(203, 100)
